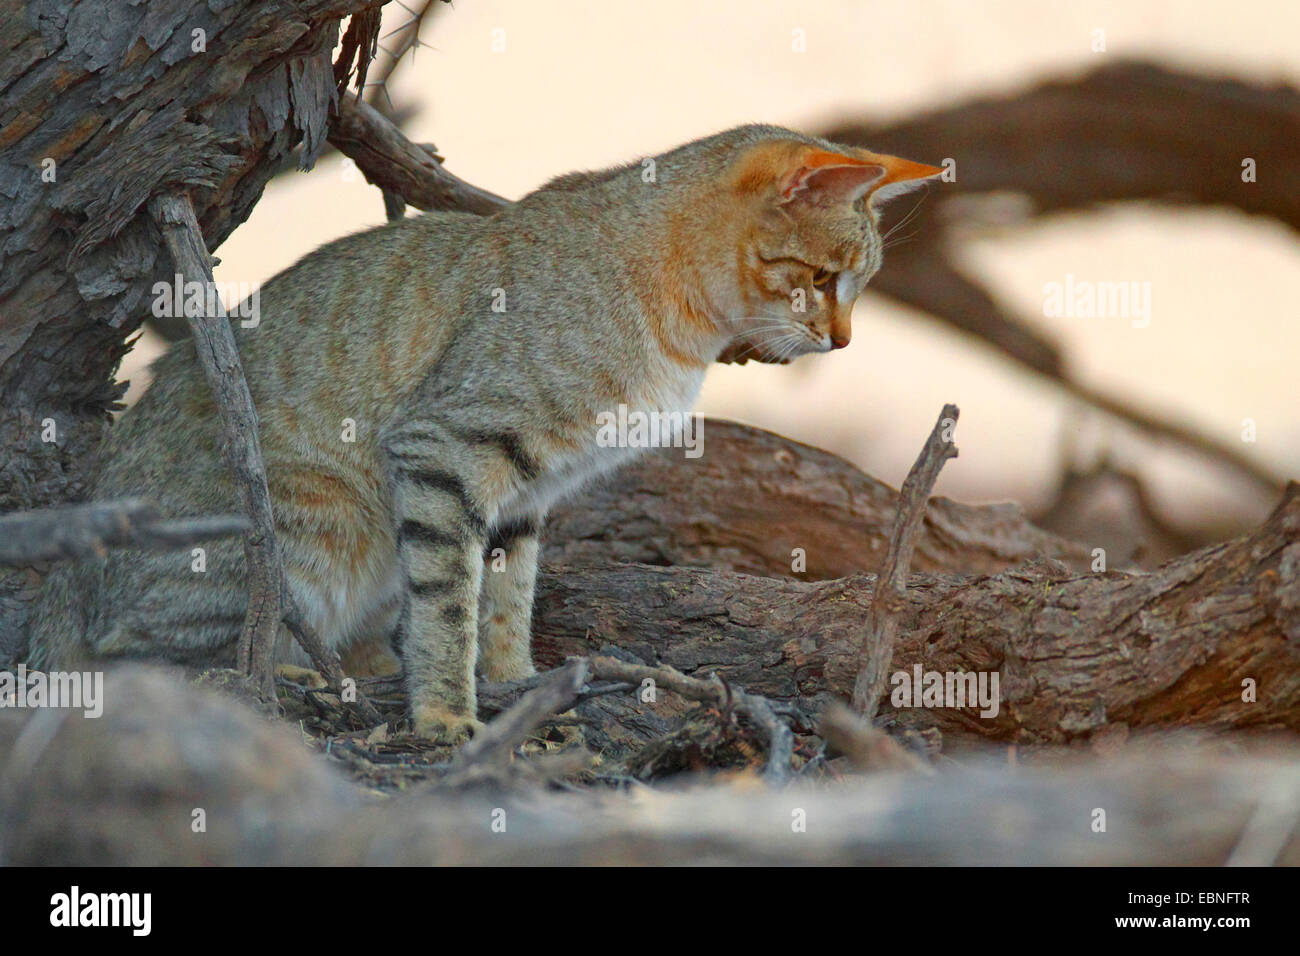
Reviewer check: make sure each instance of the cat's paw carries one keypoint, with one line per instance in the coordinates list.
(301, 675)
(442, 725)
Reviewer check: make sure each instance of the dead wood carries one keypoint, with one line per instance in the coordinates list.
(780, 741)
(1130, 131)
(126, 789)
(240, 444)
(392, 162)
(557, 692)
(83, 531)
(103, 105)
(754, 497)
(864, 746)
(891, 583)
(325, 660)
(1076, 652)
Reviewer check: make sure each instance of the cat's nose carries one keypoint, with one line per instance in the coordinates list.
(839, 340)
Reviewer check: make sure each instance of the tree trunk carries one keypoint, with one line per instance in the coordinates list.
(103, 105)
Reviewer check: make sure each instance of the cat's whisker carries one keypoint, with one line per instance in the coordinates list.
(792, 343)
(900, 240)
(906, 219)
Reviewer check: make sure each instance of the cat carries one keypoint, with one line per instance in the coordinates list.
(429, 388)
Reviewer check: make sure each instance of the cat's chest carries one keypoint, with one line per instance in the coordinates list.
(654, 416)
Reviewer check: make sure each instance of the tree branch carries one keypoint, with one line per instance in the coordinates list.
(219, 357)
(891, 583)
(554, 694)
(325, 660)
(717, 694)
(89, 530)
(393, 163)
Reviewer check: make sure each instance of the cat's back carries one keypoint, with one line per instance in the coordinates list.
(348, 329)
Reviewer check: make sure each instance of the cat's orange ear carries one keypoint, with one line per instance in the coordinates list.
(801, 173)
(823, 178)
(901, 175)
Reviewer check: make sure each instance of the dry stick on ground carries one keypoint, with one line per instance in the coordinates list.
(713, 691)
(557, 692)
(85, 531)
(325, 660)
(891, 583)
(866, 747)
(90, 800)
(243, 450)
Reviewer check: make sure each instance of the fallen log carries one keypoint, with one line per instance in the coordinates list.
(753, 497)
(175, 775)
(1211, 639)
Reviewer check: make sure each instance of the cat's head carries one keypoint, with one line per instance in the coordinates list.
(801, 221)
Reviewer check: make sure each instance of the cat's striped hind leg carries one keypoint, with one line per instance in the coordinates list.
(506, 602)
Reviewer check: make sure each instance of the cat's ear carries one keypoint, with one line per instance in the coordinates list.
(796, 173)
(823, 178)
(901, 176)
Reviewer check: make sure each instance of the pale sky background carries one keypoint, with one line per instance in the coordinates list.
(588, 84)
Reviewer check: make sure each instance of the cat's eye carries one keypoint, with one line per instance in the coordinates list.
(822, 279)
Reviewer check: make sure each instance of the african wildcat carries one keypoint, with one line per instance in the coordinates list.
(467, 360)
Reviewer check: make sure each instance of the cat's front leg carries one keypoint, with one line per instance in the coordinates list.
(441, 536)
(506, 603)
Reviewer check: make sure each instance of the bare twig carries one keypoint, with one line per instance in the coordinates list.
(325, 660)
(409, 34)
(393, 163)
(557, 692)
(891, 583)
(89, 530)
(865, 746)
(715, 692)
(215, 343)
